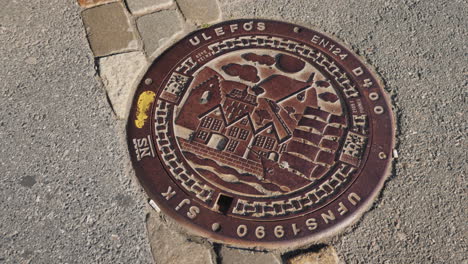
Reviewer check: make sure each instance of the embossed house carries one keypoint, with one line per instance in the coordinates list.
(238, 103)
(265, 144)
(233, 138)
(212, 123)
(240, 134)
(205, 95)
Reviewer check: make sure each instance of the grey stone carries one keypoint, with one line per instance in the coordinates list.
(109, 29)
(28, 181)
(142, 6)
(201, 11)
(119, 73)
(235, 256)
(156, 28)
(326, 255)
(168, 246)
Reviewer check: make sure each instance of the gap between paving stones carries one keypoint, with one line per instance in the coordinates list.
(143, 7)
(149, 36)
(224, 254)
(109, 29)
(170, 246)
(163, 24)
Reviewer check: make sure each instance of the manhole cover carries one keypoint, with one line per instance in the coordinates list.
(261, 133)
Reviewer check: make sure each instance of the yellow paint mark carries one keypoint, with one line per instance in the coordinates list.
(143, 105)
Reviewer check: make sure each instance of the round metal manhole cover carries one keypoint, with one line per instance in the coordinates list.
(261, 133)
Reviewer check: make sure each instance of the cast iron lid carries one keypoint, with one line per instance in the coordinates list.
(261, 133)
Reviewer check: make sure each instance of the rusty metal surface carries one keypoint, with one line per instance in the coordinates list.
(261, 133)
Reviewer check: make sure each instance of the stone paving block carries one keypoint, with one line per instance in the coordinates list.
(326, 255)
(91, 3)
(118, 74)
(140, 6)
(236, 256)
(109, 29)
(169, 246)
(200, 11)
(157, 27)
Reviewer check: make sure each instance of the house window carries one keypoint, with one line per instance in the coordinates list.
(270, 142)
(205, 97)
(244, 121)
(243, 134)
(259, 141)
(283, 147)
(236, 93)
(233, 132)
(202, 135)
(206, 122)
(232, 145)
(216, 125)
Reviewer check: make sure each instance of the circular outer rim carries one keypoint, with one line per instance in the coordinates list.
(316, 236)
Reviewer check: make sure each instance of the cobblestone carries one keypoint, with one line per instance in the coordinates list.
(156, 28)
(91, 3)
(109, 29)
(203, 12)
(236, 256)
(168, 246)
(142, 6)
(118, 74)
(326, 255)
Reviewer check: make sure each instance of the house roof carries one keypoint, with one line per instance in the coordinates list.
(246, 115)
(280, 87)
(243, 95)
(212, 110)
